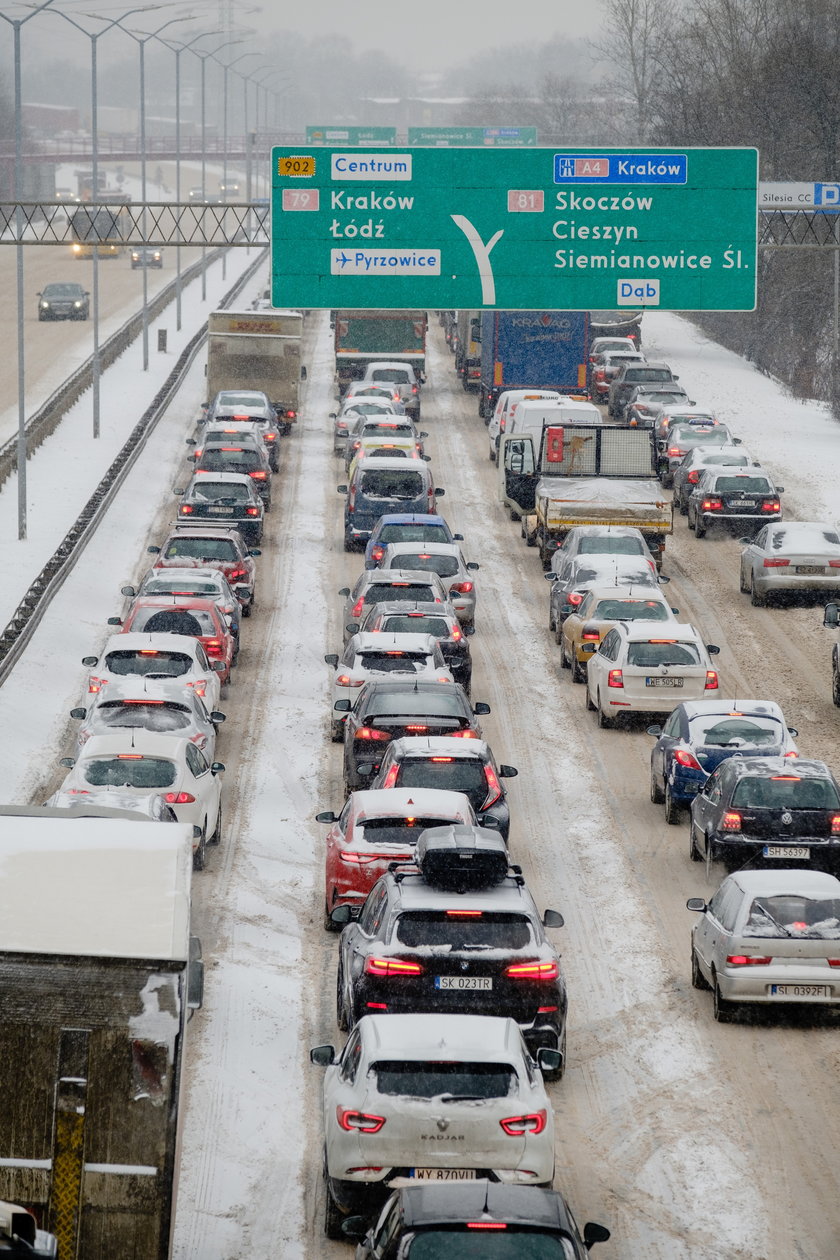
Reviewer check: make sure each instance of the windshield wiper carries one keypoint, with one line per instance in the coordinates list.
(462, 1097)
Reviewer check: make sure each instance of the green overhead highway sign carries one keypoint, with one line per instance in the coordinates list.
(530, 229)
(351, 135)
(508, 137)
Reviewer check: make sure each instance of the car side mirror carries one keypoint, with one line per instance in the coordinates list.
(342, 706)
(675, 611)
(218, 767)
(426, 459)
(241, 592)
(550, 576)
(712, 649)
(255, 551)
(190, 460)
(780, 489)
(345, 591)
(331, 658)
(664, 578)
(655, 730)
(355, 1228)
(153, 551)
(423, 433)
(594, 1233)
(352, 627)
(491, 823)
(114, 621)
(467, 630)
(303, 373)
(327, 816)
(78, 714)
(471, 564)
(831, 615)
(549, 1060)
(179, 490)
(697, 904)
(217, 717)
(218, 667)
(189, 441)
(481, 708)
(344, 914)
(128, 590)
(439, 493)
(322, 1056)
(508, 772)
(67, 762)
(745, 542)
(792, 730)
(341, 489)
(736, 441)
(457, 537)
(366, 770)
(89, 660)
(553, 919)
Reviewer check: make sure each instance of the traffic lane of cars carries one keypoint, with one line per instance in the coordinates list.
(608, 1030)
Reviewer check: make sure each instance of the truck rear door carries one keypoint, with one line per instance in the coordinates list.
(517, 473)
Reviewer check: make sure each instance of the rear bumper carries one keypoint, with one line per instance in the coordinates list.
(817, 852)
(753, 984)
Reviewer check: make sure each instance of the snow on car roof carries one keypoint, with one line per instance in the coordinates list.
(800, 881)
(457, 1038)
(438, 746)
(388, 802)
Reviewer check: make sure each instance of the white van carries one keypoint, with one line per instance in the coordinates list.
(506, 405)
(533, 415)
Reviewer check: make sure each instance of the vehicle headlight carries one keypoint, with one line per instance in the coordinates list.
(77, 305)
(45, 305)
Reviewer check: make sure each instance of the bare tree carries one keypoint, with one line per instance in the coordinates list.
(636, 39)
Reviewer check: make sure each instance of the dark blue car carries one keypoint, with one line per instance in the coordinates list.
(700, 734)
(406, 527)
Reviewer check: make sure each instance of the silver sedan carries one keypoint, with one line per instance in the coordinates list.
(770, 937)
(791, 556)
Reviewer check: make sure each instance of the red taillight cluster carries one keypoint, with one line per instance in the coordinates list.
(252, 511)
(774, 563)
(391, 776)
(711, 680)
(356, 610)
(533, 971)
(344, 680)
(835, 824)
(745, 960)
(213, 647)
(461, 588)
(771, 505)
(615, 678)
(185, 509)
(534, 1122)
(259, 475)
(377, 553)
(731, 821)
(684, 758)
(711, 505)
(358, 1121)
(236, 575)
(392, 967)
(179, 798)
(694, 476)
(674, 451)
(494, 787)
(370, 732)
(574, 598)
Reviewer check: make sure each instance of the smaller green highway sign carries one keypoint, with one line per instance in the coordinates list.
(351, 135)
(508, 137)
(522, 229)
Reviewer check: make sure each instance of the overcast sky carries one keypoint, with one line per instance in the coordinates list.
(433, 34)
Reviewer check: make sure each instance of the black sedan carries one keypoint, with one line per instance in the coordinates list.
(768, 809)
(63, 301)
(733, 496)
(425, 617)
(388, 710)
(474, 1220)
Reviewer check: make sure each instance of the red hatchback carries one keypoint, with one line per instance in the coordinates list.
(212, 547)
(183, 614)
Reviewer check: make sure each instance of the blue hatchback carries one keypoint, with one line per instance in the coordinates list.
(700, 734)
(406, 527)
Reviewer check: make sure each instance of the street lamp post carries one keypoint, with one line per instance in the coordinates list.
(21, 438)
(226, 65)
(202, 56)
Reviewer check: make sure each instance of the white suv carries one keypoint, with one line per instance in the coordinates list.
(404, 379)
(649, 667)
(442, 1099)
(506, 405)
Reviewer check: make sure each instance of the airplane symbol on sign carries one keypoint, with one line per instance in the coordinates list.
(344, 259)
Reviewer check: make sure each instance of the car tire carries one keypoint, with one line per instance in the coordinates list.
(756, 598)
(693, 852)
(656, 793)
(247, 608)
(672, 809)
(683, 506)
(742, 585)
(723, 1011)
(835, 684)
(558, 632)
(564, 660)
(329, 926)
(333, 1216)
(698, 980)
(587, 699)
(200, 854)
(578, 671)
(492, 456)
(604, 722)
(348, 543)
(216, 837)
(699, 529)
(514, 516)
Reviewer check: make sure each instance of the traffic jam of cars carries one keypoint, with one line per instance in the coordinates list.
(445, 1124)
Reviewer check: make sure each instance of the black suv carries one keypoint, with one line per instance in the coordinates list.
(447, 1220)
(778, 809)
(387, 710)
(631, 375)
(455, 932)
(63, 301)
(424, 617)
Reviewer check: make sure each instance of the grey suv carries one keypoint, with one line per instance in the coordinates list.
(631, 375)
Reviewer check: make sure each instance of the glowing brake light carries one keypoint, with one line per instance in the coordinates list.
(392, 967)
(615, 678)
(377, 553)
(358, 1121)
(356, 610)
(534, 1122)
(260, 475)
(574, 598)
(776, 564)
(771, 505)
(494, 787)
(694, 476)
(179, 798)
(711, 505)
(486, 1225)
(391, 777)
(344, 680)
(711, 680)
(462, 588)
(252, 511)
(686, 759)
(533, 971)
(185, 509)
(835, 824)
(463, 734)
(674, 451)
(359, 859)
(745, 960)
(370, 732)
(731, 821)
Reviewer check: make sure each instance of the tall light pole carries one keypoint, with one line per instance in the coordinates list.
(226, 65)
(21, 438)
(261, 83)
(94, 37)
(202, 56)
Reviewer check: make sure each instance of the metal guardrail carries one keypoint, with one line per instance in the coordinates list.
(41, 591)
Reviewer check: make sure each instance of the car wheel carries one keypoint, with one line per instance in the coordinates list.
(756, 598)
(246, 608)
(724, 1012)
(693, 852)
(578, 671)
(558, 632)
(672, 809)
(656, 793)
(683, 506)
(492, 455)
(200, 853)
(216, 837)
(605, 723)
(835, 685)
(333, 1217)
(514, 516)
(348, 543)
(587, 699)
(698, 980)
(564, 660)
(699, 529)
(337, 732)
(742, 585)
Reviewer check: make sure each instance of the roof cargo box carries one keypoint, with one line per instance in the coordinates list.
(461, 856)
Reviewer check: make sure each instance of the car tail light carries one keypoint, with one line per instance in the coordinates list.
(455, 634)
(546, 1010)
(356, 610)
(771, 505)
(213, 647)
(731, 821)
(486, 1225)
(600, 374)
(377, 553)
(574, 598)
(835, 824)
(290, 415)
(414, 389)
(392, 967)
(776, 564)
(78, 792)
(834, 564)
(591, 636)
(252, 511)
(711, 680)
(533, 971)
(185, 509)
(391, 777)
(467, 734)
(370, 732)
(833, 962)
(95, 685)
(361, 859)
(199, 687)
(236, 574)
(465, 914)
(344, 680)
(746, 960)
(494, 787)
(179, 798)
(269, 437)
(686, 759)
(711, 505)
(694, 476)
(358, 1121)
(534, 1122)
(615, 678)
(259, 475)
(674, 451)
(462, 588)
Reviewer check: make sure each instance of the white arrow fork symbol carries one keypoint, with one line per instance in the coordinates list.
(482, 257)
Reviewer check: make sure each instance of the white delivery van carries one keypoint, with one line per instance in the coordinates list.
(506, 405)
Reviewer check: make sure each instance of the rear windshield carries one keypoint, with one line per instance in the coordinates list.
(207, 491)
(648, 374)
(444, 566)
(393, 662)
(224, 435)
(699, 435)
(785, 792)
(202, 549)
(152, 715)
(391, 483)
(229, 398)
(397, 830)
(369, 408)
(419, 624)
(149, 663)
(510, 1244)
(454, 774)
(389, 452)
(682, 420)
(195, 621)
(814, 918)
(180, 586)
(233, 460)
(449, 931)
(611, 545)
(631, 610)
(386, 429)
(716, 731)
(745, 485)
(379, 592)
(729, 461)
(430, 1080)
(422, 532)
(652, 654)
(129, 770)
(401, 375)
(435, 701)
